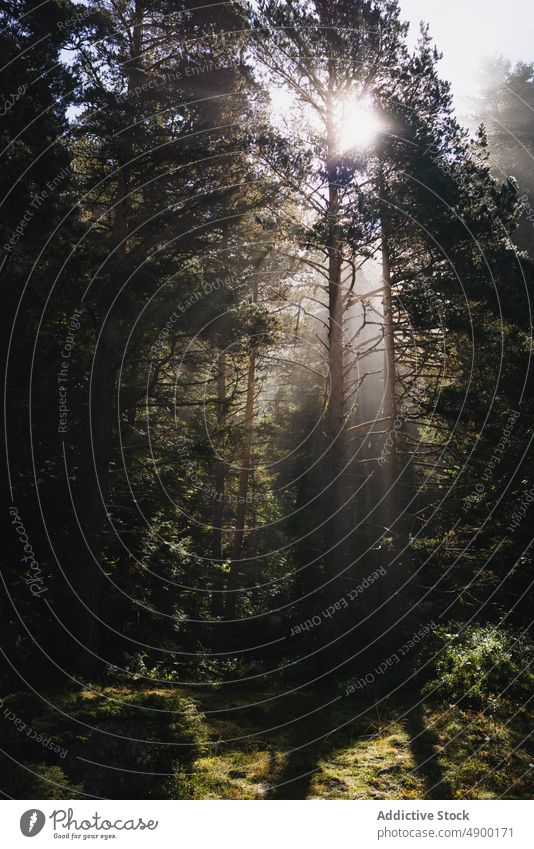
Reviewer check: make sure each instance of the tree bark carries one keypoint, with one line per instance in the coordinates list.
(217, 600)
(389, 407)
(335, 411)
(244, 476)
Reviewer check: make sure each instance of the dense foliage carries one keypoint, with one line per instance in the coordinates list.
(269, 398)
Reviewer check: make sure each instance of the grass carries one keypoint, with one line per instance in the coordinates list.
(382, 753)
(249, 745)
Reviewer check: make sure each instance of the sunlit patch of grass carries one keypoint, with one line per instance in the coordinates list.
(485, 756)
(371, 758)
(235, 774)
(378, 766)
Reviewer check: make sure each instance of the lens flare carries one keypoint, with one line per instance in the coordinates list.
(357, 124)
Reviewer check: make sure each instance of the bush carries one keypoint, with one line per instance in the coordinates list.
(114, 744)
(39, 781)
(481, 666)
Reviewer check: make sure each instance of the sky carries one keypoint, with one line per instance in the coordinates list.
(467, 31)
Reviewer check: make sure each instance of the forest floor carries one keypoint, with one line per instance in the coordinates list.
(241, 743)
(349, 750)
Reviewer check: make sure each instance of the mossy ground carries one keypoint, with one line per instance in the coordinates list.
(254, 745)
(353, 751)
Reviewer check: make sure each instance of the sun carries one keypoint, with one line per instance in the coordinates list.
(357, 124)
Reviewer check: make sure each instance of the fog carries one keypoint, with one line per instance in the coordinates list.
(467, 31)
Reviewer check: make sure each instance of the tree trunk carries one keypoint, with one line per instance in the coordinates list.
(244, 476)
(389, 407)
(217, 600)
(335, 411)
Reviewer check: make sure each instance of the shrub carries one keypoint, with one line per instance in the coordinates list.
(481, 665)
(114, 744)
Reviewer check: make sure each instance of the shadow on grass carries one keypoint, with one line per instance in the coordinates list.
(424, 747)
(311, 741)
